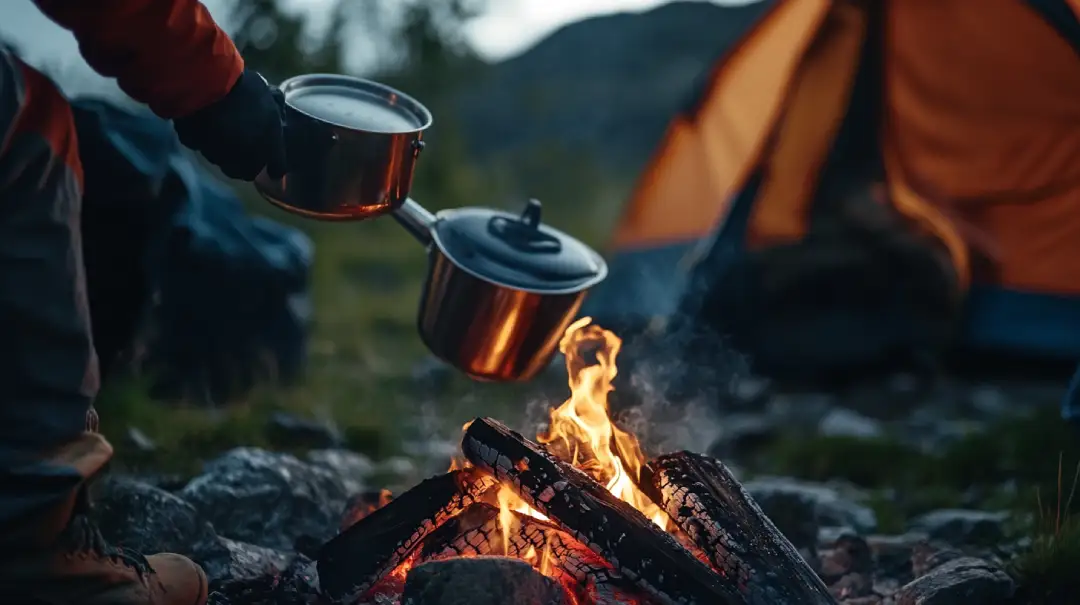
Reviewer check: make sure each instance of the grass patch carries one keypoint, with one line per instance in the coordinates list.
(1006, 464)
(1047, 573)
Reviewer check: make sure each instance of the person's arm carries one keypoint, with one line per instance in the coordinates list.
(168, 54)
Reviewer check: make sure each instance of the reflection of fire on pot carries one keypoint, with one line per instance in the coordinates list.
(501, 289)
(583, 506)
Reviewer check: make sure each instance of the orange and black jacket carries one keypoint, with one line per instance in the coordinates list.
(168, 54)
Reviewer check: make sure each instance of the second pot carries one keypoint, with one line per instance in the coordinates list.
(501, 289)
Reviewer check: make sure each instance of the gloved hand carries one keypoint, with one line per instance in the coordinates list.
(242, 133)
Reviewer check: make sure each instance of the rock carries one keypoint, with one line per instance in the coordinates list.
(267, 499)
(226, 560)
(396, 469)
(827, 536)
(852, 585)
(958, 582)
(893, 555)
(742, 434)
(436, 450)
(800, 411)
(171, 483)
(141, 517)
(850, 554)
(287, 430)
(886, 586)
(297, 585)
(749, 391)
(480, 581)
(351, 468)
(990, 401)
(792, 502)
(841, 422)
(926, 557)
(867, 600)
(139, 440)
(960, 527)
(431, 374)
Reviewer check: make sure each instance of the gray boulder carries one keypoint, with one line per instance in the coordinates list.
(961, 581)
(960, 527)
(267, 499)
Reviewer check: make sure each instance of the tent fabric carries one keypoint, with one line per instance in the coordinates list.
(991, 146)
(706, 156)
(974, 130)
(814, 111)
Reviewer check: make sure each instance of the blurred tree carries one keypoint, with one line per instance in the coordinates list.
(275, 43)
(421, 48)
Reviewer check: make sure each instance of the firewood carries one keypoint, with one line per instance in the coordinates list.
(638, 549)
(357, 558)
(711, 506)
(477, 532)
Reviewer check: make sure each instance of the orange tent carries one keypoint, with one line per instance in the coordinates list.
(970, 118)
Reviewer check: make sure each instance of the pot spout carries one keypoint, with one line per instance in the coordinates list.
(416, 220)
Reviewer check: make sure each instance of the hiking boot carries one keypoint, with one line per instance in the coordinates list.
(83, 569)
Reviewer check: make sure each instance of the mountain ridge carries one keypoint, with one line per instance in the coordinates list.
(604, 88)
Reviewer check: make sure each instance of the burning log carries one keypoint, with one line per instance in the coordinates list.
(357, 558)
(711, 506)
(478, 532)
(634, 545)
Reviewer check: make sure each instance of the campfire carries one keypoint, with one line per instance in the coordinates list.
(582, 505)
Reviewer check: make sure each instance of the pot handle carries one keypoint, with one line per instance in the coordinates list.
(416, 219)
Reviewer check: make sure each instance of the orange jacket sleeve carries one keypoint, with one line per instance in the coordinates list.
(168, 54)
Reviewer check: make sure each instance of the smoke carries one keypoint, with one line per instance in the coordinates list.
(669, 401)
(672, 402)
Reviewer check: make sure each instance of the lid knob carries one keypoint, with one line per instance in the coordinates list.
(531, 214)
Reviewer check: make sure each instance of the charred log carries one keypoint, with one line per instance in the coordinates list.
(478, 532)
(357, 558)
(711, 506)
(638, 549)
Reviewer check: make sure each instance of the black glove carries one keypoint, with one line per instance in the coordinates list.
(242, 133)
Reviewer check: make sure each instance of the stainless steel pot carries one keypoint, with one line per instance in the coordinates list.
(352, 146)
(501, 289)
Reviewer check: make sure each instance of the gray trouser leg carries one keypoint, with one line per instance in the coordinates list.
(48, 370)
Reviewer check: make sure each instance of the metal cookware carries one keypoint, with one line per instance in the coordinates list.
(351, 146)
(501, 289)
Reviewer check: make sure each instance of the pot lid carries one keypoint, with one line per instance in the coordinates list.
(517, 251)
(355, 104)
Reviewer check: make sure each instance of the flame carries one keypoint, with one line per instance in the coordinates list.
(581, 432)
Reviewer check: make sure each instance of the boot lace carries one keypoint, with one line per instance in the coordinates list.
(83, 536)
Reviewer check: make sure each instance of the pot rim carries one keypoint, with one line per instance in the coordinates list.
(601, 273)
(390, 95)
